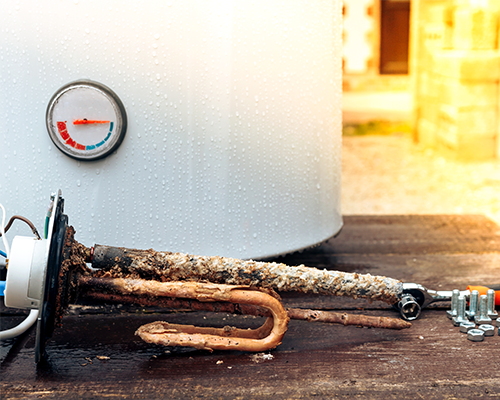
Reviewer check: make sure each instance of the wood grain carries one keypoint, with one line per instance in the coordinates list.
(430, 360)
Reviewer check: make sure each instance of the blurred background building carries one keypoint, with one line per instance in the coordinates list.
(376, 45)
(436, 62)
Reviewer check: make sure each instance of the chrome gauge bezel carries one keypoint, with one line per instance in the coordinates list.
(63, 141)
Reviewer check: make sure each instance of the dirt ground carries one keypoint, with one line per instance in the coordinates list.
(392, 175)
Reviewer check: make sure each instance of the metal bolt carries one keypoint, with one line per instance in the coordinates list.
(454, 304)
(461, 312)
(490, 295)
(467, 326)
(489, 330)
(482, 318)
(475, 335)
(474, 297)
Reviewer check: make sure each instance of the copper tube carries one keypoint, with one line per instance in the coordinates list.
(234, 308)
(228, 338)
(348, 319)
(92, 297)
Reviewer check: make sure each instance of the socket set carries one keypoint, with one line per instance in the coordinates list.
(480, 319)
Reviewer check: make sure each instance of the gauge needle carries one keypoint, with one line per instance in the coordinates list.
(89, 121)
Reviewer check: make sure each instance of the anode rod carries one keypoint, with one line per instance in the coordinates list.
(168, 266)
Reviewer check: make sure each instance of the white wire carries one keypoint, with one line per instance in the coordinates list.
(2, 231)
(21, 328)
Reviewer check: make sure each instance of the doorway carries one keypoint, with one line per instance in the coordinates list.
(394, 36)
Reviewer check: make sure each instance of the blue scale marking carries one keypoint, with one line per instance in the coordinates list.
(93, 146)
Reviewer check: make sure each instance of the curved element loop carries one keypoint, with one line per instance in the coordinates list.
(268, 336)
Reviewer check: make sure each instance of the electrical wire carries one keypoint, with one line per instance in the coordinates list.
(3, 254)
(47, 219)
(21, 328)
(24, 219)
(46, 227)
(2, 232)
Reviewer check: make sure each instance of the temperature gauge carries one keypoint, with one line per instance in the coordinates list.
(86, 120)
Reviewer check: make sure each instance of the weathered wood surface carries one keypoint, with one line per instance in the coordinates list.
(430, 360)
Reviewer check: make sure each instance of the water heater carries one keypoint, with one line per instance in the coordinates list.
(203, 127)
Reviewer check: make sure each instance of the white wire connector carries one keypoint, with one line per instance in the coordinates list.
(2, 231)
(33, 315)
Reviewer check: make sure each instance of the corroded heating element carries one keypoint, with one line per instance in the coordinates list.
(268, 336)
(167, 266)
(182, 281)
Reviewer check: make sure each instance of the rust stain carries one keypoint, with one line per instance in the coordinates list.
(195, 282)
(167, 266)
(89, 285)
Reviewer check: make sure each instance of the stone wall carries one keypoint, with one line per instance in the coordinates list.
(455, 64)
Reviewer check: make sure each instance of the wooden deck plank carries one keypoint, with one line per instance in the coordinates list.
(430, 360)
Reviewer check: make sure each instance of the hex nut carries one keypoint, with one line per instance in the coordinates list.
(489, 330)
(475, 335)
(467, 326)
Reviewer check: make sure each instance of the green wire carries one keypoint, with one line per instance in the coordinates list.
(46, 229)
(47, 218)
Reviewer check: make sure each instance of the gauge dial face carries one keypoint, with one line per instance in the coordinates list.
(86, 120)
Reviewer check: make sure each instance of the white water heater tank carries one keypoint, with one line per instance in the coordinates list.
(230, 113)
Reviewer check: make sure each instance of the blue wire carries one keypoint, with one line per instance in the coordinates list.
(2, 283)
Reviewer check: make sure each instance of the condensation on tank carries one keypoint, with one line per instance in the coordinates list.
(234, 138)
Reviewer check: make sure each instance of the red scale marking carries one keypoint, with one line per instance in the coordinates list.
(63, 131)
(61, 126)
(71, 142)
